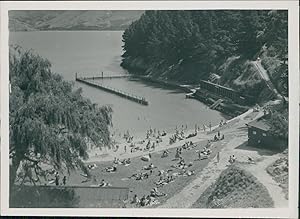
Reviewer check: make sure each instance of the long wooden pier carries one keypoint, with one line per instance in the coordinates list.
(140, 100)
(105, 77)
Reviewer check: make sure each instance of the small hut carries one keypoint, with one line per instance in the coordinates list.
(260, 135)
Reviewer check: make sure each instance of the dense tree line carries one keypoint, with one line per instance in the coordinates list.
(188, 45)
(50, 122)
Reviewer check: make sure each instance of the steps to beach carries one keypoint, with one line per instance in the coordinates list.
(215, 104)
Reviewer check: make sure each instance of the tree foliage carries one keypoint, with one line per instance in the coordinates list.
(192, 44)
(279, 120)
(50, 122)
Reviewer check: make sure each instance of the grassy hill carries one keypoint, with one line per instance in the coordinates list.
(235, 188)
(71, 20)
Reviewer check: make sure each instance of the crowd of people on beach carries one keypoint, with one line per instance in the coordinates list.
(147, 200)
(179, 169)
(153, 138)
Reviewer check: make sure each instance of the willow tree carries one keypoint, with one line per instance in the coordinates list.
(50, 122)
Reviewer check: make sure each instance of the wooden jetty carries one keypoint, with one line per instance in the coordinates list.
(102, 77)
(140, 100)
(105, 77)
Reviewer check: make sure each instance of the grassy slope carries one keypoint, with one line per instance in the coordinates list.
(235, 188)
(279, 171)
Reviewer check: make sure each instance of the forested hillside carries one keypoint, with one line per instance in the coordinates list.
(220, 45)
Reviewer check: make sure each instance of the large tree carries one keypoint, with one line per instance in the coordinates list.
(50, 122)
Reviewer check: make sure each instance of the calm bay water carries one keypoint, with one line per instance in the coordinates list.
(89, 53)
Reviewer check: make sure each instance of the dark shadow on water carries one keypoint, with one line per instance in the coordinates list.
(261, 151)
(170, 88)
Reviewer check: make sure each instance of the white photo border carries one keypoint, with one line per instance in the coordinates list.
(293, 55)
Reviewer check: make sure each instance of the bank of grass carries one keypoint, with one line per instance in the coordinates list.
(279, 170)
(235, 188)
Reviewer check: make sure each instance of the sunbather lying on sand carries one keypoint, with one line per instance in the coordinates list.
(117, 161)
(142, 176)
(165, 181)
(92, 166)
(189, 173)
(111, 169)
(150, 167)
(126, 162)
(155, 193)
(206, 151)
(135, 200)
(191, 135)
(104, 184)
(165, 154)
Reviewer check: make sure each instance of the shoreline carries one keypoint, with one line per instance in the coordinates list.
(226, 110)
(201, 135)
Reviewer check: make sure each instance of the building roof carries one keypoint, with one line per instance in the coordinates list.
(217, 85)
(260, 124)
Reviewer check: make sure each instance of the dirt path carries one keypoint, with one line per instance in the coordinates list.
(273, 187)
(265, 76)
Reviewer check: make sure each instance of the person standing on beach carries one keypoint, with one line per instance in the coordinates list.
(57, 179)
(199, 155)
(64, 180)
(210, 126)
(218, 157)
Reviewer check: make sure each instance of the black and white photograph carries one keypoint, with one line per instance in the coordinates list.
(150, 109)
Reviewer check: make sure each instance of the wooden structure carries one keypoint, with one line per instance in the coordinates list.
(105, 77)
(140, 100)
(224, 92)
(259, 135)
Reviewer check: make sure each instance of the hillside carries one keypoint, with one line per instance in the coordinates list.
(220, 46)
(71, 20)
(235, 188)
(279, 171)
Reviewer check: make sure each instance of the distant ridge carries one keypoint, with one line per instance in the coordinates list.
(37, 20)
